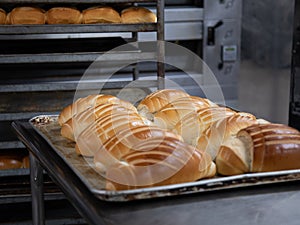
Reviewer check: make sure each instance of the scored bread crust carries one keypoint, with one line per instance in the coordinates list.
(63, 15)
(26, 15)
(159, 162)
(101, 14)
(138, 15)
(273, 147)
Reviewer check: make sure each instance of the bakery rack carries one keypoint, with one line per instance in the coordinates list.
(28, 83)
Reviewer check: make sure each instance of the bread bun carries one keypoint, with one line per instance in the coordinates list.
(168, 116)
(194, 124)
(159, 161)
(138, 15)
(2, 16)
(263, 147)
(103, 14)
(26, 15)
(63, 15)
(104, 128)
(216, 134)
(155, 101)
(10, 162)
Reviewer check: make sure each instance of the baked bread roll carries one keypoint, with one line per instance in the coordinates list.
(72, 128)
(103, 14)
(26, 15)
(2, 16)
(138, 15)
(260, 148)
(26, 162)
(90, 101)
(122, 143)
(194, 124)
(159, 161)
(212, 138)
(155, 101)
(10, 162)
(172, 113)
(104, 128)
(63, 15)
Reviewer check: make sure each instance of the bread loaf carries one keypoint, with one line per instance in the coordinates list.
(82, 120)
(168, 116)
(124, 140)
(263, 147)
(155, 101)
(216, 134)
(138, 15)
(163, 162)
(104, 128)
(63, 15)
(26, 15)
(2, 16)
(102, 14)
(10, 162)
(194, 124)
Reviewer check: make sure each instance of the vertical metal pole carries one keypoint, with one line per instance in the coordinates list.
(161, 45)
(36, 181)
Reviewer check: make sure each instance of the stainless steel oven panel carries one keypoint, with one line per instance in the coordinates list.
(226, 36)
(220, 9)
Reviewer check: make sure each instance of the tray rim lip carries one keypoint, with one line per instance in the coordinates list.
(113, 196)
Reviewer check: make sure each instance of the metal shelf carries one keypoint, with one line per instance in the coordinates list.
(76, 57)
(71, 1)
(75, 28)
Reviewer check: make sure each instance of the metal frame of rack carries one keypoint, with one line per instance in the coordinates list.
(28, 31)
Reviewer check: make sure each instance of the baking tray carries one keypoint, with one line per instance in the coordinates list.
(48, 128)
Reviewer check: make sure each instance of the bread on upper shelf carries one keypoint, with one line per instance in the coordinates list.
(100, 14)
(26, 15)
(138, 15)
(2, 16)
(63, 15)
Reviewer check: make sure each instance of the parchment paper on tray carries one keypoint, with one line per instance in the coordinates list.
(48, 127)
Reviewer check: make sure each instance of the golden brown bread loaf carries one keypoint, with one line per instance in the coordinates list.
(168, 116)
(153, 102)
(212, 138)
(63, 15)
(26, 15)
(260, 148)
(2, 16)
(158, 161)
(121, 143)
(102, 14)
(194, 124)
(138, 15)
(10, 162)
(104, 128)
(72, 128)
(89, 102)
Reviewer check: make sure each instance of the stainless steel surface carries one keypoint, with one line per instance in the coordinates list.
(48, 128)
(264, 78)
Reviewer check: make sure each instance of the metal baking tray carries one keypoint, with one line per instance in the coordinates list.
(48, 128)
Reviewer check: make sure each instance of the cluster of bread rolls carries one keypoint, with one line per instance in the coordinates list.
(127, 148)
(173, 137)
(71, 15)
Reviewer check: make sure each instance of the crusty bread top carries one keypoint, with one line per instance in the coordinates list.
(138, 15)
(101, 14)
(63, 15)
(27, 15)
(2, 16)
